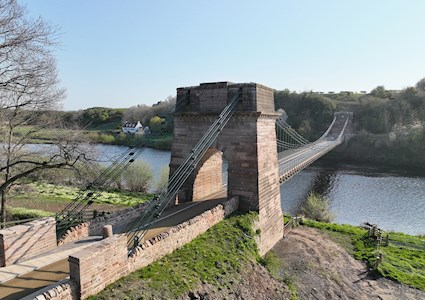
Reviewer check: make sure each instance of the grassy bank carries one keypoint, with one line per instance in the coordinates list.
(49, 198)
(50, 192)
(216, 258)
(101, 135)
(403, 259)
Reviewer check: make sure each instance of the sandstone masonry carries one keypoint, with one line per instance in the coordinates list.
(248, 143)
(27, 240)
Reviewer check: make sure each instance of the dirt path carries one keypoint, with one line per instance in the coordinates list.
(321, 269)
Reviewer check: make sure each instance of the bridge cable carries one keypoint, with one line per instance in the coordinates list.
(177, 179)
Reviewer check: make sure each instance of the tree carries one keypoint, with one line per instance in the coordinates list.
(29, 88)
(144, 113)
(380, 92)
(420, 86)
(157, 124)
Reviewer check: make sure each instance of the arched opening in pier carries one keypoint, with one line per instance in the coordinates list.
(210, 176)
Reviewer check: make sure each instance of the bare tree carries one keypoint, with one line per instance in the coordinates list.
(28, 87)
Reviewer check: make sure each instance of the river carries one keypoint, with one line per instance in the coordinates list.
(394, 202)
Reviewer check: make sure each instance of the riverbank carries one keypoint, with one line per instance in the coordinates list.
(159, 141)
(318, 267)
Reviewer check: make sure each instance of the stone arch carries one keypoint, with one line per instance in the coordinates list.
(208, 175)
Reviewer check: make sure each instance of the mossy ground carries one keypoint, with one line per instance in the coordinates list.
(403, 259)
(214, 258)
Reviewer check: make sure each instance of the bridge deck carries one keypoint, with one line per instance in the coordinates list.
(294, 160)
(49, 272)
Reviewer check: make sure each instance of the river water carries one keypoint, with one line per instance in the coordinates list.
(394, 202)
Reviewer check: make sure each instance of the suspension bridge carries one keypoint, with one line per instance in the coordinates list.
(216, 122)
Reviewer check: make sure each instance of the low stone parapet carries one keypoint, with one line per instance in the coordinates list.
(94, 227)
(27, 240)
(62, 290)
(106, 261)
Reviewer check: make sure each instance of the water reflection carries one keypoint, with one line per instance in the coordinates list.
(393, 202)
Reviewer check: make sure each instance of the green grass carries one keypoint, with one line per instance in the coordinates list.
(403, 259)
(215, 258)
(21, 213)
(50, 192)
(161, 142)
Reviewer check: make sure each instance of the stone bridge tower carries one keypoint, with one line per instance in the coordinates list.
(248, 143)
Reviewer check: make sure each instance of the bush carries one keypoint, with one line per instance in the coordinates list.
(317, 208)
(138, 177)
(163, 179)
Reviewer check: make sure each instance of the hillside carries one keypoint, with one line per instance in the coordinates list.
(223, 264)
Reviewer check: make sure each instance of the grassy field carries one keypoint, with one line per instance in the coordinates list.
(52, 198)
(403, 259)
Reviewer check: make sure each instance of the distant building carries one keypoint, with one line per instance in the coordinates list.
(132, 128)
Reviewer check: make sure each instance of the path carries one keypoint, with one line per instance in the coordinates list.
(54, 266)
(321, 269)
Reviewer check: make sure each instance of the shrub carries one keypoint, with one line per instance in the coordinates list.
(317, 208)
(138, 177)
(163, 179)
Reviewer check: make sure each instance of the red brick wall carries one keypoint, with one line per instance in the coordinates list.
(27, 240)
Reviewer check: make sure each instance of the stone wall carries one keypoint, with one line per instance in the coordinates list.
(117, 219)
(27, 240)
(62, 290)
(98, 265)
(270, 211)
(209, 175)
(106, 261)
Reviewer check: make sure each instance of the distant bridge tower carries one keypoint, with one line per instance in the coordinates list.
(248, 143)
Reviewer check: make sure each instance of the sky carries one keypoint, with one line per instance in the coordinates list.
(124, 53)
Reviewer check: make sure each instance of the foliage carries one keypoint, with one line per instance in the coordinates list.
(143, 113)
(215, 257)
(317, 208)
(380, 92)
(160, 142)
(138, 177)
(163, 179)
(271, 262)
(405, 151)
(403, 259)
(95, 118)
(420, 86)
(308, 113)
(157, 124)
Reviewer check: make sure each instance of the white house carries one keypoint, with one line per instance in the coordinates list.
(132, 128)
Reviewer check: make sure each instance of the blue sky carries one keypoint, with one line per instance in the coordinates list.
(124, 53)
